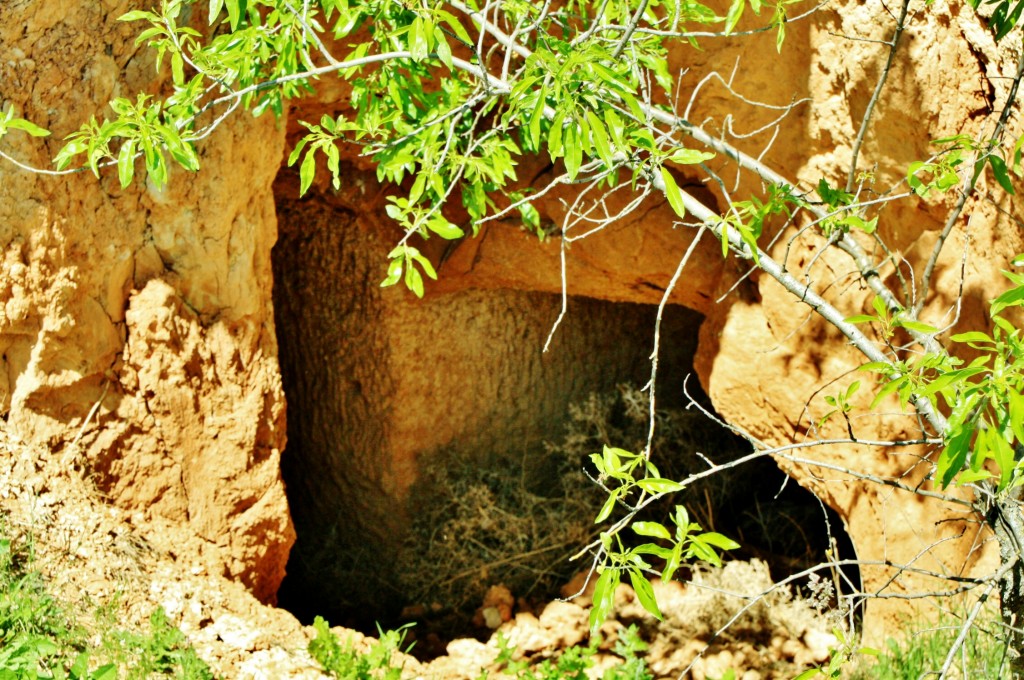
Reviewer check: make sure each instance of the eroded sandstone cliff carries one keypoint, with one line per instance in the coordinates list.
(157, 304)
(152, 304)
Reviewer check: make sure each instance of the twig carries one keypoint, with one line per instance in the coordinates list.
(876, 95)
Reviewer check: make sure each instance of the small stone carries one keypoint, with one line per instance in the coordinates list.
(492, 617)
(567, 620)
(819, 643)
(236, 633)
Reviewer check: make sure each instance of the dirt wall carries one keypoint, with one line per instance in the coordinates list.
(151, 304)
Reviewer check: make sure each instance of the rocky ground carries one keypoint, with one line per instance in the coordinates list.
(93, 556)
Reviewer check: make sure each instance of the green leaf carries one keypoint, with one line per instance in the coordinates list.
(946, 379)
(418, 43)
(972, 476)
(857, 222)
(653, 529)
(918, 187)
(954, 454)
(236, 10)
(852, 389)
(444, 52)
(606, 509)
(126, 163)
(653, 549)
(586, 143)
(860, 319)
(718, 540)
(880, 307)
(413, 280)
(530, 217)
(610, 456)
(1000, 172)
(443, 228)
(297, 151)
(733, 17)
(703, 551)
(658, 485)
(673, 562)
(886, 390)
(215, 8)
(604, 598)
(681, 518)
(395, 269)
(177, 68)
(536, 116)
(690, 156)
(972, 336)
(809, 673)
(1011, 298)
(138, 15)
(26, 126)
(672, 193)
(1015, 404)
(600, 135)
(573, 150)
(916, 326)
(645, 593)
(452, 22)
(306, 172)
(878, 366)
(1002, 453)
(106, 672)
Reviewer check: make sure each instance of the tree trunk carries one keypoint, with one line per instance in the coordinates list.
(1008, 523)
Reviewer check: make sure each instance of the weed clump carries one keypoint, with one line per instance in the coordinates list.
(42, 638)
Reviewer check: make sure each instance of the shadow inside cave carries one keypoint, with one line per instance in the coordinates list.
(434, 450)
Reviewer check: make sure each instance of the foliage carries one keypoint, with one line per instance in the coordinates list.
(570, 87)
(683, 542)
(163, 650)
(839, 657)
(926, 647)
(984, 398)
(573, 663)
(40, 638)
(345, 662)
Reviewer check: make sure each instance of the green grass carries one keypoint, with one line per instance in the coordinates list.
(923, 652)
(379, 662)
(341, 660)
(573, 663)
(41, 639)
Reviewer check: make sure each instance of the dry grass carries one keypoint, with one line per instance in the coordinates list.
(480, 520)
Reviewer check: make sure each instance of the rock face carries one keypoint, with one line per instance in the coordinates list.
(153, 305)
(156, 305)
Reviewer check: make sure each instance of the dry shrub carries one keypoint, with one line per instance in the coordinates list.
(480, 520)
(740, 590)
(478, 523)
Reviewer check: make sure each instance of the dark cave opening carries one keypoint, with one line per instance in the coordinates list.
(399, 410)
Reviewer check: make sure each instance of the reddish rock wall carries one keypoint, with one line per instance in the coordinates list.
(154, 304)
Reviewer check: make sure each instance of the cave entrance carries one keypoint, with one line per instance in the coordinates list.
(433, 449)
